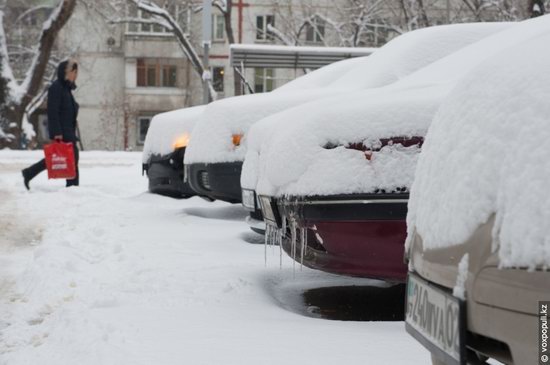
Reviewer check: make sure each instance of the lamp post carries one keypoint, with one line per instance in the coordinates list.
(206, 42)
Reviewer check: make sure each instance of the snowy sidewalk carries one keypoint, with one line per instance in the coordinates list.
(108, 274)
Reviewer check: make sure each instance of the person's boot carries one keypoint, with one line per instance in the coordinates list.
(26, 178)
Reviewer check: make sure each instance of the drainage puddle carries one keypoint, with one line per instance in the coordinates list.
(356, 303)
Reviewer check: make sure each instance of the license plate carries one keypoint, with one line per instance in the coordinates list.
(436, 319)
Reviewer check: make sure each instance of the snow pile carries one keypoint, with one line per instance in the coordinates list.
(168, 130)
(487, 152)
(120, 276)
(211, 141)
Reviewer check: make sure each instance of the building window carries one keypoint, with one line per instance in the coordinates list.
(156, 73)
(315, 30)
(217, 78)
(218, 24)
(151, 29)
(262, 22)
(264, 80)
(143, 126)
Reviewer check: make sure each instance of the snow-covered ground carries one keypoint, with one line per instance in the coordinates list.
(108, 274)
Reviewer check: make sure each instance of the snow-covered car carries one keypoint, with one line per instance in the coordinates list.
(397, 59)
(216, 152)
(164, 149)
(214, 159)
(336, 183)
(478, 235)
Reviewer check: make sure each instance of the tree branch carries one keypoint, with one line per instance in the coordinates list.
(33, 80)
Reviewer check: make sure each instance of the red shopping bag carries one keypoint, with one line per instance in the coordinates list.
(60, 160)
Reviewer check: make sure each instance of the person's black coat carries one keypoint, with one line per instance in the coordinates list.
(62, 108)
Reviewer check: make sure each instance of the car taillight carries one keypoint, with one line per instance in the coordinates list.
(236, 139)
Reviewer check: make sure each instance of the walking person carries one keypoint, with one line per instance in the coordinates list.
(62, 114)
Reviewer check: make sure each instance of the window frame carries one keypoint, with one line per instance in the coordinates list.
(222, 88)
(139, 27)
(315, 30)
(159, 67)
(265, 79)
(262, 34)
(140, 119)
(218, 27)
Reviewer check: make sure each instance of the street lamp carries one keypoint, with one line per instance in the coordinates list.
(206, 42)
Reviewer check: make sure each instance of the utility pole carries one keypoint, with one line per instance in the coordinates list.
(206, 42)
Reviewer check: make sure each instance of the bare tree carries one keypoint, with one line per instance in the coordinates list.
(536, 8)
(17, 96)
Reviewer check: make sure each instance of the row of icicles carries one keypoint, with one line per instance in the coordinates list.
(274, 236)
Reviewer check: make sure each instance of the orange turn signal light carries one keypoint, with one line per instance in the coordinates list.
(236, 138)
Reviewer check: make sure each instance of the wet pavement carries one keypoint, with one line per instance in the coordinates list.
(356, 303)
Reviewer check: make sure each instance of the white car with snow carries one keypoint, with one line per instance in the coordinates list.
(214, 158)
(397, 59)
(478, 235)
(164, 149)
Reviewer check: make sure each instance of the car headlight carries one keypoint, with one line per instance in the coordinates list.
(269, 210)
(249, 199)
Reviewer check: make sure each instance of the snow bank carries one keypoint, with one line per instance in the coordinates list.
(170, 129)
(487, 153)
(212, 138)
(120, 276)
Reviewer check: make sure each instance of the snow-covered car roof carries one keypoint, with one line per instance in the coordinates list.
(487, 153)
(168, 130)
(296, 162)
(212, 139)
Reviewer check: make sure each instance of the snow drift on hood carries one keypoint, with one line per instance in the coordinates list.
(487, 152)
(212, 138)
(168, 129)
(299, 162)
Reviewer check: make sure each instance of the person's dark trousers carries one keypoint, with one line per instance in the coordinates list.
(74, 182)
(30, 172)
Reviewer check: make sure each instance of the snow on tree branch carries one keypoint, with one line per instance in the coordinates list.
(16, 99)
(6, 71)
(58, 18)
